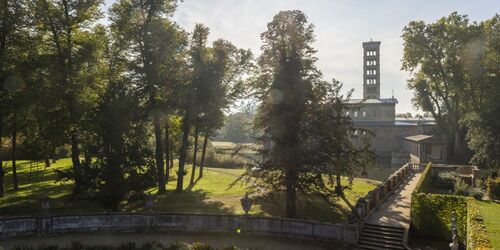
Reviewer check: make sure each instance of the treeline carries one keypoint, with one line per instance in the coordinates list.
(129, 96)
(125, 98)
(455, 75)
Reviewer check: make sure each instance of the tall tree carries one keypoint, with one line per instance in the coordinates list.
(434, 55)
(482, 66)
(191, 96)
(223, 84)
(15, 23)
(153, 43)
(67, 22)
(303, 117)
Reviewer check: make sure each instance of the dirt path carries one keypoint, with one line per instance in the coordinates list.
(216, 240)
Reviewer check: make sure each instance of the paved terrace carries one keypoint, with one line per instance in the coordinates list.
(395, 211)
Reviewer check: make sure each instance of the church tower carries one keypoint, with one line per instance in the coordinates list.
(371, 70)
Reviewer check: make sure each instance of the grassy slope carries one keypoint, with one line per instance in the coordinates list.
(490, 210)
(208, 195)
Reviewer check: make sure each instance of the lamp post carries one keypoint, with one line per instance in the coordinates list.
(246, 204)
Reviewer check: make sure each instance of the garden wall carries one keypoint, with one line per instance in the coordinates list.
(123, 222)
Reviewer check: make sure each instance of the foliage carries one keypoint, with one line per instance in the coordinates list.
(489, 212)
(493, 188)
(454, 74)
(306, 132)
(425, 181)
(76, 245)
(445, 180)
(238, 127)
(476, 192)
(431, 215)
(477, 235)
(460, 187)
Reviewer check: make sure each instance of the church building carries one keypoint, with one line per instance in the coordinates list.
(378, 114)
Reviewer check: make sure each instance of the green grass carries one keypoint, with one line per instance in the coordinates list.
(490, 210)
(211, 194)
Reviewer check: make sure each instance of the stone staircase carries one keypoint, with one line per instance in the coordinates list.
(376, 237)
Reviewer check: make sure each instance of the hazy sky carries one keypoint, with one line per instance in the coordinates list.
(341, 27)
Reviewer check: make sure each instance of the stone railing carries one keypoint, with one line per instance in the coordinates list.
(367, 204)
(151, 222)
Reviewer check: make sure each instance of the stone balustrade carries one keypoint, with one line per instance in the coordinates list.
(365, 205)
(146, 222)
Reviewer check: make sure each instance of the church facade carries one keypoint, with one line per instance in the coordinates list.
(378, 114)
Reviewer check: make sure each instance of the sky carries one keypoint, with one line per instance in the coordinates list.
(340, 27)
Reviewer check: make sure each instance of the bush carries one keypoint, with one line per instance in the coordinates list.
(460, 187)
(475, 192)
(445, 180)
(225, 161)
(201, 246)
(493, 188)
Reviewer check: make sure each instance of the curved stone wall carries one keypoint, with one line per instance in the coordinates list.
(151, 222)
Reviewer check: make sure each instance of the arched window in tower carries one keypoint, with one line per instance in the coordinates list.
(364, 113)
(355, 113)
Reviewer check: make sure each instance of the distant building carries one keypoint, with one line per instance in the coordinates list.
(379, 114)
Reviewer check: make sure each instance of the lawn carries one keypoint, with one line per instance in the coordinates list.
(211, 194)
(490, 210)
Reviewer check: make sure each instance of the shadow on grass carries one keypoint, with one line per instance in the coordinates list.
(307, 208)
(186, 202)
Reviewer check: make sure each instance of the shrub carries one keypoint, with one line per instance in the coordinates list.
(201, 246)
(460, 187)
(493, 188)
(445, 180)
(226, 161)
(475, 192)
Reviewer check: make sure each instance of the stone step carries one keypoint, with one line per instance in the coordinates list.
(379, 245)
(383, 227)
(378, 231)
(381, 240)
(381, 236)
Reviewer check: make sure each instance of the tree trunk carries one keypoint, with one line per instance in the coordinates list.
(182, 153)
(194, 154)
(159, 153)
(14, 139)
(47, 162)
(291, 193)
(167, 152)
(171, 158)
(203, 153)
(75, 159)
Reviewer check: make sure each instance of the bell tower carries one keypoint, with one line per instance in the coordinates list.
(371, 70)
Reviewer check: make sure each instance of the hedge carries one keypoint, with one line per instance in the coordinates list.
(431, 216)
(477, 236)
(424, 181)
